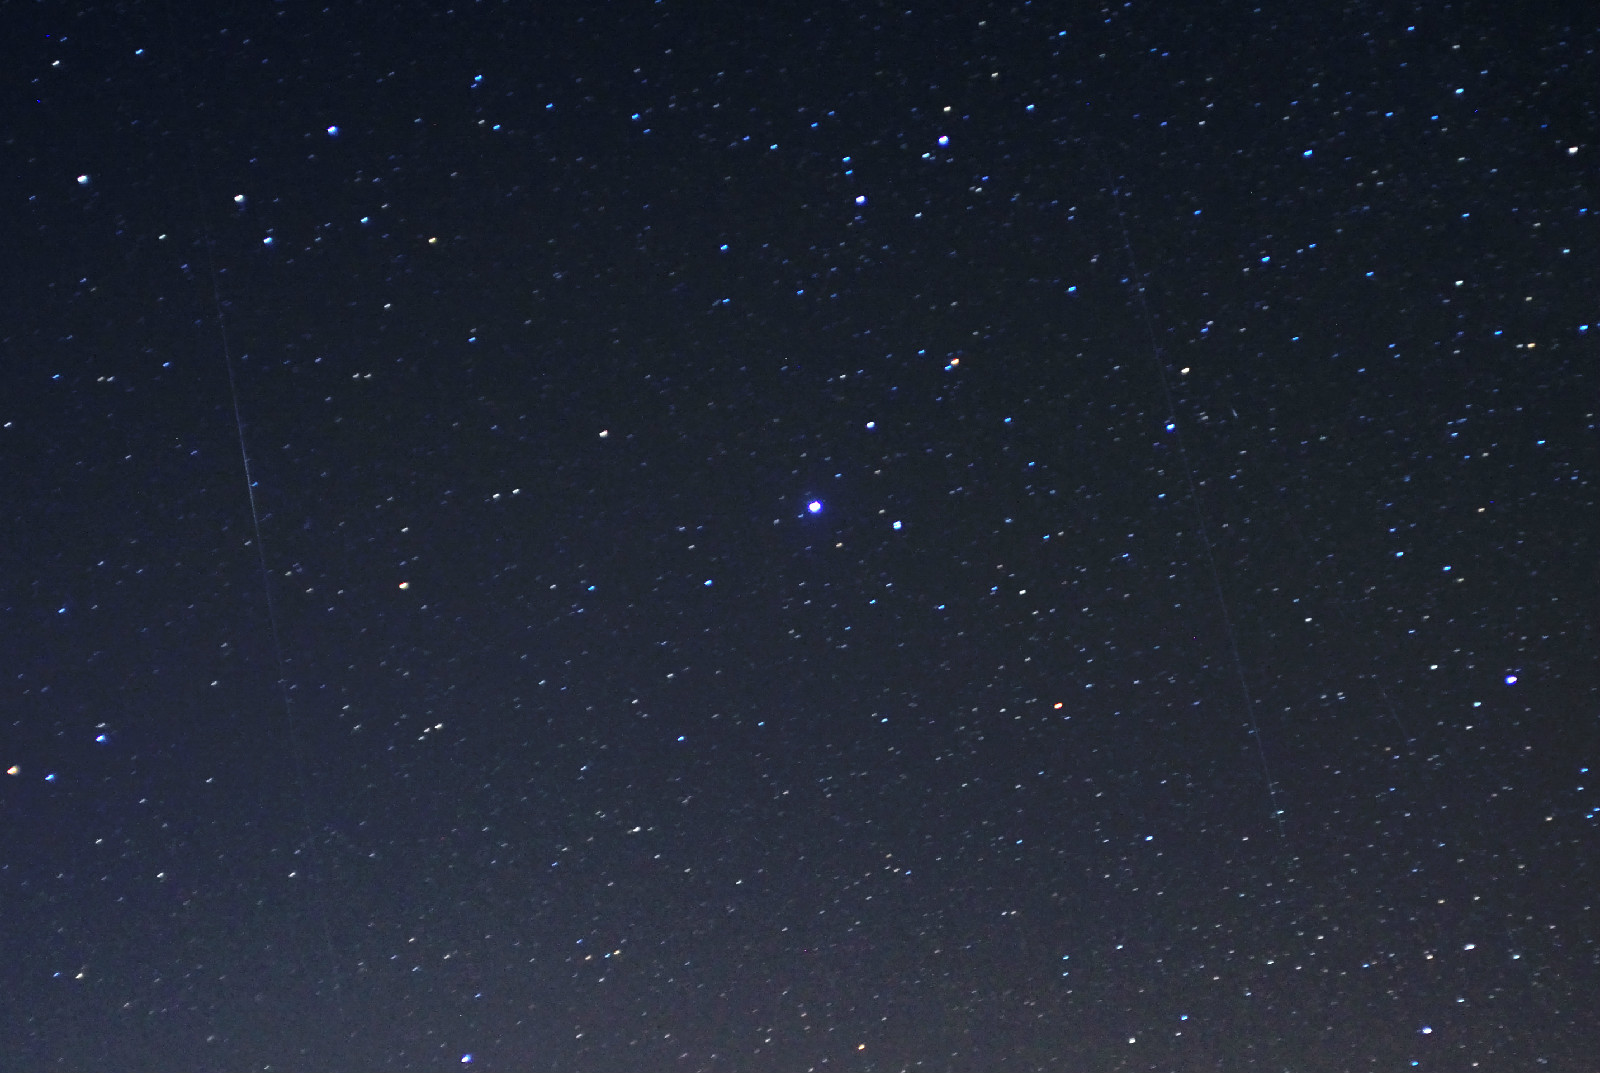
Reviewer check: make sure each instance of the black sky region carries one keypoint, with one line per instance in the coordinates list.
(793, 537)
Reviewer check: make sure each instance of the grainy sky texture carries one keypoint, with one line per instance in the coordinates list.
(989, 536)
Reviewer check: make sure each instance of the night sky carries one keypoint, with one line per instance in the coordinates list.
(849, 536)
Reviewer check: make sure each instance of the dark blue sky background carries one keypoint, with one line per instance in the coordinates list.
(1189, 663)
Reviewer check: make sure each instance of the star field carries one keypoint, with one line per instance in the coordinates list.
(654, 536)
